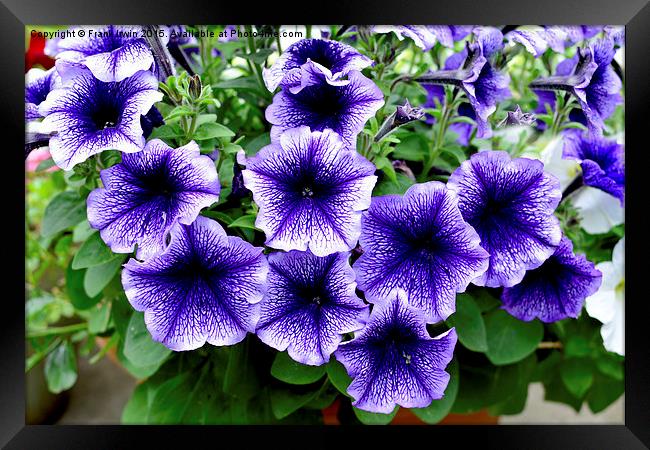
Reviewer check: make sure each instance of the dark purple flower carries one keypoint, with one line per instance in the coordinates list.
(309, 304)
(38, 83)
(148, 192)
(592, 80)
(204, 287)
(90, 116)
(556, 290)
(483, 85)
(402, 115)
(310, 190)
(307, 61)
(111, 52)
(418, 244)
(393, 360)
(344, 109)
(426, 36)
(602, 162)
(510, 203)
(151, 120)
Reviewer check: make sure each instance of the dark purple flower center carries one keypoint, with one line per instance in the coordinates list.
(313, 296)
(106, 115)
(324, 104)
(318, 51)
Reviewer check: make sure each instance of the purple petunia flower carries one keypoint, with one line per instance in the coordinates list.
(556, 290)
(472, 71)
(111, 52)
(426, 36)
(90, 116)
(510, 203)
(148, 192)
(344, 109)
(205, 286)
(393, 360)
(418, 244)
(309, 303)
(308, 60)
(602, 162)
(591, 79)
(38, 83)
(311, 190)
(533, 40)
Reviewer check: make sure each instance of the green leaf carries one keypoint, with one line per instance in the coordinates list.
(604, 392)
(212, 130)
(259, 57)
(368, 418)
(469, 324)
(338, 376)
(483, 386)
(61, 368)
(240, 379)
(249, 83)
(99, 318)
(247, 221)
(324, 397)
(438, 409)
(385, 165)
(178, 111)
(74, 286)
(139, 348)
(218, 215)
(610, 366)
(510, 340)
(386, 187)
(65, 210)
(286, 401)
(577, 376)
(167, 131)
(412, 147)
(44, 165)
(92, 252)
(136, 410)
(286, 369)
(98, 277)
(484, 299)
(515, 401)
(556, 391)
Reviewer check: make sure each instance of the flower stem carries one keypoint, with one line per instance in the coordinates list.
(550, 345)
(57, 330)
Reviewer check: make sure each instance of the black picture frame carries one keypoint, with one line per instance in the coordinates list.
(16, 14)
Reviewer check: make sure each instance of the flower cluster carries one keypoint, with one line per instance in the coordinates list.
(344, 271)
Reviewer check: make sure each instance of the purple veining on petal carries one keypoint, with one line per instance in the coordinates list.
(602, 161)
(344, 109)
(309, 304)
(112, 53)
(317, 204)
(306, 61)
(556, 290)
(148, 192)
(38, 84)
(510, 203)
(419, 244)
(205, 287)
(393, 360)
(90, 116)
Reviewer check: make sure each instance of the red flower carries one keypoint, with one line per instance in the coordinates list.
(35, 55)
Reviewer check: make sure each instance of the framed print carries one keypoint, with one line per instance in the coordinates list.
(294, 229)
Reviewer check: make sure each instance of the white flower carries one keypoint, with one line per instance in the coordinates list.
(599, 212)
(608, 304)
